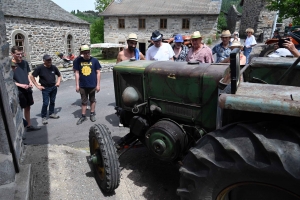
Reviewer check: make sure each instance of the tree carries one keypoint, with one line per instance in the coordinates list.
(286, 8)
(102, 4)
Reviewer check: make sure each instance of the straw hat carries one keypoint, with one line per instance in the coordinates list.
(236, 44)
(226, 33)
(196, 34)
(133, 37)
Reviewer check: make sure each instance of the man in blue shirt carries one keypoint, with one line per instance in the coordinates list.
(87, 77)
(222, 50)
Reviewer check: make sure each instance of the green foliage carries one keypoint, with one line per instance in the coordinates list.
(97, 23)
(97, 31)
(102, 4)
(89, 16)
(286, 8)
(209, 41)
(222, 23)
(226, 4)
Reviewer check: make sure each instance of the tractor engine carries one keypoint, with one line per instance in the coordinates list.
(167, 105)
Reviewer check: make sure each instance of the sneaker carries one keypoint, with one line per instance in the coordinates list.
(81, 119)
(54, 116)
(93, 117)
(32, 128)
(44, 120)
(120, 124)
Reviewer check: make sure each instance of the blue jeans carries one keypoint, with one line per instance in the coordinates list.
(49, 93)
(247, 52)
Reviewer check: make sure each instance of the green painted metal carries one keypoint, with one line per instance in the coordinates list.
(160, 138)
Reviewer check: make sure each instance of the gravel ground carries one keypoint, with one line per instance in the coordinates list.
(62, 172)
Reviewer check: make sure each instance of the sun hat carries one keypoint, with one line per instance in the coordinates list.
(250, 30)
(46, 57)
(236, 33)
(84, 48)
(196, 34)
(156, 36)
(133, 37)
(178, 38)
(236, 44)
(226, 33)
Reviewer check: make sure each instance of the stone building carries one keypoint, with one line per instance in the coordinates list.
(11, 128)
(142, 17)
(41, 26)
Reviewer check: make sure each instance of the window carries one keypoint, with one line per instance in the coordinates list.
(121, 23)
(185, 23)
(19, 41)
(142, 23)
(69, 43)
(163, 23)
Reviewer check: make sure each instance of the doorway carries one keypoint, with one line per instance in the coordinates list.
(142, 47)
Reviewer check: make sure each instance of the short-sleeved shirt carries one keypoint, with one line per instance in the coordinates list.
(46, 75)
(250, 41)
(21, 71)
(87, 71)
(162, 53)
(203, 55)
(183, 53)
(222, 52)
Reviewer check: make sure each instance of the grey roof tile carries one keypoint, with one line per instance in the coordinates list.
(162, 7)
(38, 9)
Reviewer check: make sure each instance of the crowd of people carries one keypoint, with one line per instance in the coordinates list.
(87, 79)
(199, 51)
(87, 68)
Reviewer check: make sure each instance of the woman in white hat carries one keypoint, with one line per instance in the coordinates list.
(249, 43)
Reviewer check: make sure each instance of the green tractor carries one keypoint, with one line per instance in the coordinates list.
(233, 128)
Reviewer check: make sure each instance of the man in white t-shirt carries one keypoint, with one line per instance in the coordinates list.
(159, 51)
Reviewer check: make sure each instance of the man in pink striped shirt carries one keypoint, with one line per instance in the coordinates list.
(199, 51)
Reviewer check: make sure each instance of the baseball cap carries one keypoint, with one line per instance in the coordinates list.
(178, 38)
(46, 57)
(84, 48)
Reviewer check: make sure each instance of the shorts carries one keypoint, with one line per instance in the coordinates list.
(25, 98)
(87, 93)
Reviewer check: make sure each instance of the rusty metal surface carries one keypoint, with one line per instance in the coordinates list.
(265, 98)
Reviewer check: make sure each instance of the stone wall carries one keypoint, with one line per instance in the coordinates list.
(233, 18)
(45, 36)
(207, 25)
(256, 16)
(11, 124)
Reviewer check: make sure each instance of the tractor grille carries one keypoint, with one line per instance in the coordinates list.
(180, 110)
(132, 80)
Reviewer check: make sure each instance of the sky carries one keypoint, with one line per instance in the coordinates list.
(81, 5)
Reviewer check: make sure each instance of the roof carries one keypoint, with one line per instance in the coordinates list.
(38, 9)
(162, 7)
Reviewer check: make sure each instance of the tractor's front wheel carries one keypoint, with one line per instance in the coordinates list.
(246, 161)
(104, 158)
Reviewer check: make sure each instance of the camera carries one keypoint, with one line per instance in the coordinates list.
(281, 41)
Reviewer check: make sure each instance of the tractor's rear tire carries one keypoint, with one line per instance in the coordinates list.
(267, 51)
(244, 161)
(106, 164)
